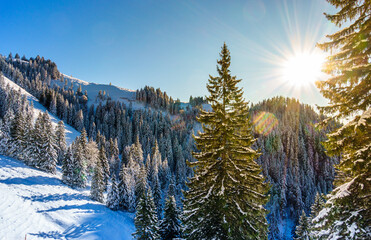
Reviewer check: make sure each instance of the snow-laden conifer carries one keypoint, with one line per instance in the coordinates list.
(226, 196)
(97, 183)
(170, 226)
(303, 228)
(146, 222)
(348, 209)
(113, 199)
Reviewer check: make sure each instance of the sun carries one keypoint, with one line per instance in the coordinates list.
(303, 68)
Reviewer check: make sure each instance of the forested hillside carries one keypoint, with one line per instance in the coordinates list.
(293, 160)
(149, 147)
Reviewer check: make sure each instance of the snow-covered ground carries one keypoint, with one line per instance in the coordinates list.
(37, 205)
(123, 95)
(71, 133)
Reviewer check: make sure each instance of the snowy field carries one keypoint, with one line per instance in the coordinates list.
(37, 205)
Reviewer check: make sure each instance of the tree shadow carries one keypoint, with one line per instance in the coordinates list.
(91, 207)
(57, 197)
(35, 180)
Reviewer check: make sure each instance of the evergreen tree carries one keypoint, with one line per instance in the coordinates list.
(302, 230)
(170, 226)
(145, 221)
(48, 155)
(103, 161)
(60, 141)
(113, 196)
(157, 197)
(226, 197)
(97, 184)
(79, 176)
(67, 167)
(348, 90)
(317, 206)
(17, 143)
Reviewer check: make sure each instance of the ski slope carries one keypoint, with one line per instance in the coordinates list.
(37, 205)
(71, 133)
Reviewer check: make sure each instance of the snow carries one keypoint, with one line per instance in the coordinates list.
(71, 133)
(37, 205)
(123, 95)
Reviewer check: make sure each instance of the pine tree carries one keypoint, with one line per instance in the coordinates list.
(97, 184)
(48, 155)
(67, 168)
(302, 229)
(348, 90)
(113, 196)
(157, 197)
(60, 141)
(103, 161)
(145, 221)
(170, 226)
(226, 196)
(79, 176)
(317, 206)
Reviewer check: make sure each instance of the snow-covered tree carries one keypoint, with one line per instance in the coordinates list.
(226, 196)
(303, 228)
(170, 226)
(79, 177)
(67, 167)
(146, 222)
(113, 198)
(60, 137)
(317, 206)
(348, 89)
(97, 183)
(105, 166)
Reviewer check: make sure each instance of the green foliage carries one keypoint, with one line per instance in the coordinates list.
(348, 90)
(146, 222)
(226, 196)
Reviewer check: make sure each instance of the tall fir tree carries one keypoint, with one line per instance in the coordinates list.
(226, 196)
(317, 206)
(170, 226)
(97, 183)
(48, 154)
(60, 137)
(303, 228)
(113, 199)
(348, 90)
(79, 176)
(105, 166)
(67, 167)
(146, 222)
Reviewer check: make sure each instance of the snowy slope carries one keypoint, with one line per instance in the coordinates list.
(124, 95)
(71, 133)
(38, 205)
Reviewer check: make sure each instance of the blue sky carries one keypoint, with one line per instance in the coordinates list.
(171, 44)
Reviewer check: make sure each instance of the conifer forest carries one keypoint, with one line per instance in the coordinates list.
(83, 160)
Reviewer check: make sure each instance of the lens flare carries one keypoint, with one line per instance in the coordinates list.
(264, 122)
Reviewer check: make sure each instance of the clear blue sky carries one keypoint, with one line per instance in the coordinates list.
(170, 44)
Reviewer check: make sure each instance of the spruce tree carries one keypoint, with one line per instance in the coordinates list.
(170, 226)
(226, 196)
(79, 176)
(67, 168)
(348, 90)
(317, 206)
(145, 221)
(302, 229)
(103, 161)
(60, 141)
(113, 195)
(97, 184)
